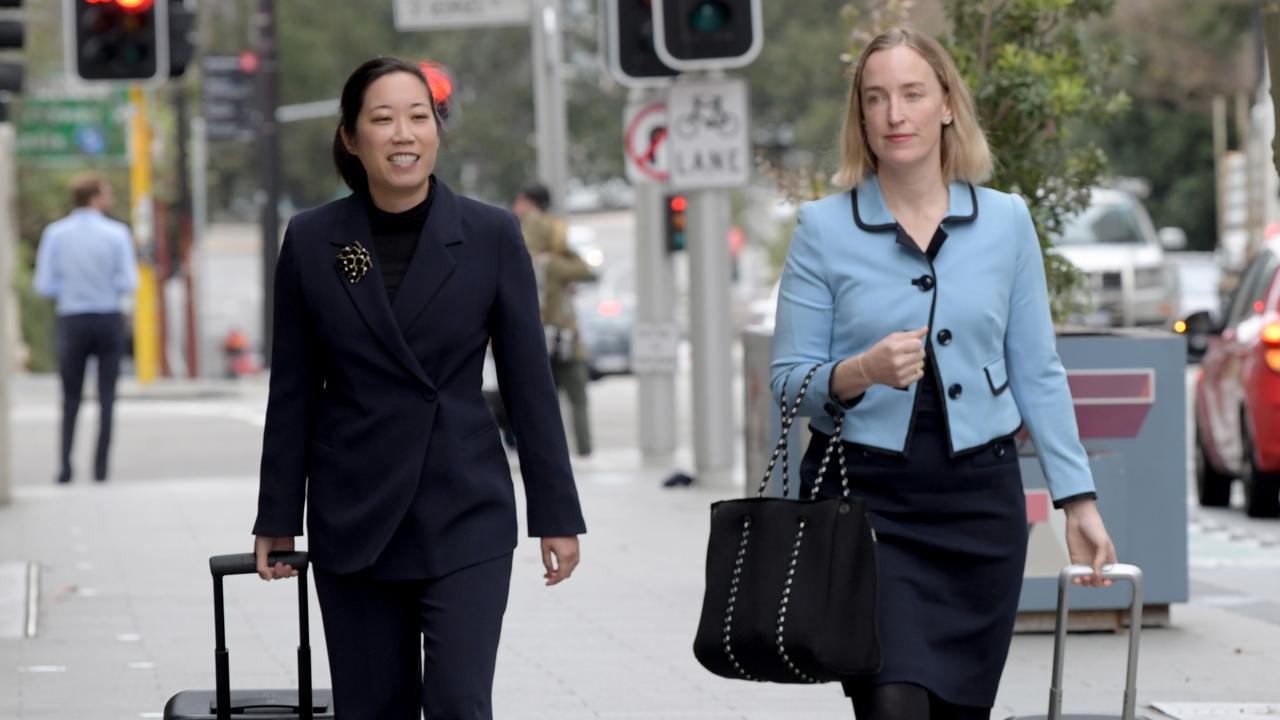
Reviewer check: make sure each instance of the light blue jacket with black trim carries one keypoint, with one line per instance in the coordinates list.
(852, 277)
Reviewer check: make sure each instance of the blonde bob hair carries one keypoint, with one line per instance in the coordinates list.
(965, 155)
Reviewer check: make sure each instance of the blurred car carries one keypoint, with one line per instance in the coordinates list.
(1117, 248)
(606, 318)
(1238, 392)
(582, 240)
(1199, 290)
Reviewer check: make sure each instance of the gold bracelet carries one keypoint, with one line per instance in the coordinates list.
(863, 371)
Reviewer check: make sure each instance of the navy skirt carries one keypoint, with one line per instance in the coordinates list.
(952, 546)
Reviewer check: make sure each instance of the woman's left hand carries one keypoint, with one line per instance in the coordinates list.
(1088, 542)
(560, 557)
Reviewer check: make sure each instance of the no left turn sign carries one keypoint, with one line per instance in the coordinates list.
(645, 142)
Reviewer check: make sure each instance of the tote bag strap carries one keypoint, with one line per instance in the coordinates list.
(782, 448)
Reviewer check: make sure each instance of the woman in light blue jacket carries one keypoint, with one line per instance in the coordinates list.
(922, 296)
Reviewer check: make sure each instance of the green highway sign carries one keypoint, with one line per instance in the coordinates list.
(72, 129)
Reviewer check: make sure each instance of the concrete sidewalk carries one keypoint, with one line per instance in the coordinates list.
(125, 604)
(125, 617)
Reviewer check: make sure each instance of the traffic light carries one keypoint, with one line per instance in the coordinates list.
(122, 40)
(182, 35)
(707, 34)
(11, 38)
(632, 57)
(442, 84)
(677, 205)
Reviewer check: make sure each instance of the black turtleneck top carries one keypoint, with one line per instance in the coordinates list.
(395, 238)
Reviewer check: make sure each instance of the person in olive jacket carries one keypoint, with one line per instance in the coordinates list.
(385, 302)
(559, 270)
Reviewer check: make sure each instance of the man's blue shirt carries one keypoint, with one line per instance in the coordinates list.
(86, 263)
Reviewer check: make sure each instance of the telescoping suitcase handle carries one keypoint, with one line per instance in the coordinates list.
(245, 564)
(1119, 571)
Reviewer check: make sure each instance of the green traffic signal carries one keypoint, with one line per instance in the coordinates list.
(709, 17)
(693, 35)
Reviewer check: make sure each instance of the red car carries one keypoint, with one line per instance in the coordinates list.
(1238, 392)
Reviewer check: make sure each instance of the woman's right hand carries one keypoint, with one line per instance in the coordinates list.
(263, 545)
(897, 360)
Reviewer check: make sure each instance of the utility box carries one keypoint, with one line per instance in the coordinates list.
(1129, 389)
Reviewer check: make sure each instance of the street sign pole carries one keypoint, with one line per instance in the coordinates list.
(270, 158)
(549, 101)
(8, 340)
(714, 416)
(208, 357)
(654, 341)
(709, 152)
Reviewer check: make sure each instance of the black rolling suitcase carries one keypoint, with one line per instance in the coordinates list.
(1119, 571)
(222, 703)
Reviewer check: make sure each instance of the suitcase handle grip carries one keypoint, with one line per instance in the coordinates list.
(1118, 571)
(247, 563)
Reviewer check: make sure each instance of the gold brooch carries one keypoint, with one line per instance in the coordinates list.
(354, 261)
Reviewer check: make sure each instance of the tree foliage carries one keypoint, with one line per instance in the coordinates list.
(1178, 55)
(490, 149)
(1035, 79)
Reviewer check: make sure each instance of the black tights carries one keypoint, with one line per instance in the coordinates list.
(907, 701)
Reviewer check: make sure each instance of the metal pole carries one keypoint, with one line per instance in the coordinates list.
(146, 321)
(8, 341)
(552, 130)
(1219, 151)
(655, 306)
(183, 249)
(1269, 46)
(269, 156)
(206, 355)
(714, 416)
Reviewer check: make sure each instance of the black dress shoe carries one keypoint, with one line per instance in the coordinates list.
(63, 478)
(678, 480)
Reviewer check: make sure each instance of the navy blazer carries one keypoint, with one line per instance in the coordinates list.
(375, 414)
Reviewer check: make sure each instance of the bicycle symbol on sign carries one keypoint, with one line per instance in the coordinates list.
(707, 112)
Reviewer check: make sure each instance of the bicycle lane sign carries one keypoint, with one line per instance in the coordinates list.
(645, 142)
(708, 142)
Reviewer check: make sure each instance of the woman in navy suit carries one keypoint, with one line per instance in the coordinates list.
(384, 304)
(922, 298)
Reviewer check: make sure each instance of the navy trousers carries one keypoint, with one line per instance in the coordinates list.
(79, 336)
(399, 648)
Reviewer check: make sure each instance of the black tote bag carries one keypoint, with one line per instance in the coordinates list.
(791, 590)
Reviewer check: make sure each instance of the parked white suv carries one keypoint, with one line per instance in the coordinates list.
(1115, 245)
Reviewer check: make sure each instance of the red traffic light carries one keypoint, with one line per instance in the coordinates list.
(679, 203)
(126, 5)
(438, 79)
(248, 62)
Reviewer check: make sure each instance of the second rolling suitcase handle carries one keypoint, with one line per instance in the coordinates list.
(246, 564)
(1119, 571)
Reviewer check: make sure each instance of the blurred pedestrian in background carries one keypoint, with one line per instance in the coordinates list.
(922, 298)
(558, 269)
(86, 263)
(385, 301)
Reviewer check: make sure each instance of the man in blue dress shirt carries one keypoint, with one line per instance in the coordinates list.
(86, 263)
